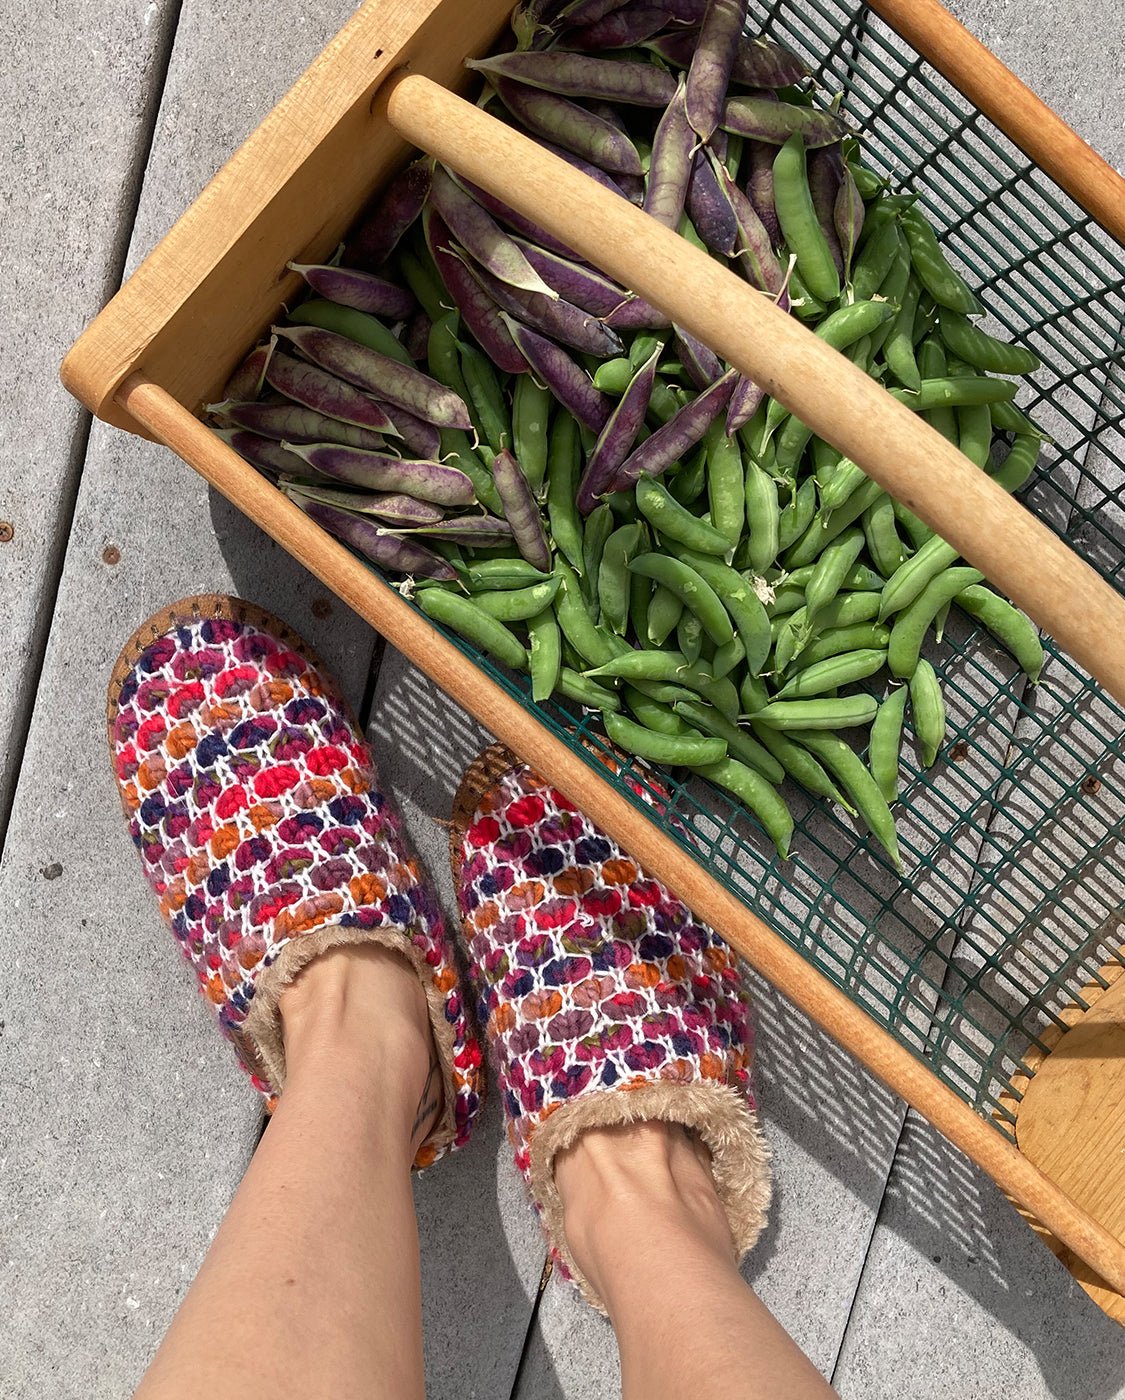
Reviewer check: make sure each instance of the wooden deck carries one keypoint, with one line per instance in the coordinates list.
(124, 1125)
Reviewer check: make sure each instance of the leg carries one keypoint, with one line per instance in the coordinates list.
(311, 1286)
(646, 1227)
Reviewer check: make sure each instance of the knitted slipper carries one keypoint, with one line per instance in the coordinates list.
(253, 799)
(604, 1000)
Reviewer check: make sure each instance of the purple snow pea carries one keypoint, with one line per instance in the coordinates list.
(711, 65)
(347, 286)
(421, 439)
(294, 423)
(262, 452)
(763, 63)
(582, 286)
(522, 512)
(606, 181)
(373, 471)
(766, 119)
(678, 436)
(577, 75)
(568, 381)
(393, 214)
(670, 169)
(744, 403)
(335, 398)
(826, 175)
(760, 188)
(477, 308)
(247, 381)
(756, 257)
(583, 12)
(710, 210)
(393, 509)
(701, 362)
(369, 539)
(476, 229)
(566, 124)
(477, 531)
(507, 215)
(620, 30)
(849, 216)
(619, 435)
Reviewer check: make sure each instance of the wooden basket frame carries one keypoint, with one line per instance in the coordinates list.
(386, 84)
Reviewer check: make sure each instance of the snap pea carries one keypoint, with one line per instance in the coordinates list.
(671, 751)
(640, 599)
(883, 543)
(913, 622)
(421, 276)
(652, 714)
(893, 291)
(600, 524)
(740, 744)
(803, 304)
(545, 654)
(790, 638)
(763, 518)
(800, 764)
(908, 581)
(1007, 624)
(742, 603)
(614, 376)
(848, 768)
(663, 613)
(859, 579)
(1007, 418)
(955, 391)
(664, 692)
(845, 480)
(846, 712)
(899, 349)
(839, 641)
(831, 569)
(885, 748)
(697, 596)
(832, 673)
(676, 522)
(486, 398)
(466, 618)
(690, 481)
(927, 709)
(442, 356)
(614, 579)
(795, 518)
(727, 658)
(794, 437)
(799, 224)
(822, 532)
(520, 604)
(786, 601)
(848, 610)
(981, 350)
(876, 259)
(917, 531)
(933, 364)
(947, 287)
(487, 575)
(974, 433)
(726, 490)
(756, 793)
(574, 618)
(1021, 461)
(563, 471)
(753, 694)
(531, 414)
(586, 692)
(689, 636)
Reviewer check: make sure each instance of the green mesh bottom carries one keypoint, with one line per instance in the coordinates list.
(1013, 899)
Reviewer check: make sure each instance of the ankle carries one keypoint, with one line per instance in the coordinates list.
(638, 1189)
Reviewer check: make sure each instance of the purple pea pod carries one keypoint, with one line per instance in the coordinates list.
(416, 336)
(286, 422)
(606, 181)
(507, 215)
(701, 362)
(825, 181)
(766, 119)
(636, 314)
(677, 48)
(709, 75)
(419, 438)
(755, 256)
(763, 63)
(521, 511)
(849, 216)
(478, 310)
(620, 30)
(710, 210)
(373, 471)
(744, 403)
(678, 436)
(249, 378)
(619, 436)
(585, 288)
(567, 124)
(347, 286)
(556, 318)
(577, 75)
(760, 188)
(685, 11)
(335, 398)
(670, 169)
(479, 232)
(400, 510)
(568, 381)
(262, 452)
(633, 188)
(477, 531)
(386, 379)
(393, 214)
(583, 12)
(370, 540)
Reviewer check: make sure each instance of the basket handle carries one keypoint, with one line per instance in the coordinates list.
(910, 459)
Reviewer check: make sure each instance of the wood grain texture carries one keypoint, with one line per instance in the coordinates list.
(990, 85)
(1014, 549)
(291, 192)
(169, 422)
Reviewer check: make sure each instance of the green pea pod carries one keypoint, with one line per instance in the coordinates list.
(531, 412)
(574, 618)
(680, 751)
(486, 399)
(726, 487)
(832, 673)
(520, 604)
(490, 575)
(932, 365)
(690, 481)
(849, 324)
(675, 522)
(947, 287)
(696, 595)
(421, 276)
(586, 692)
(600, 524)
(912, 624)
(796, 715)
(899, 349)
(563, 471)
(909, 580)
(663, 614)
(955, 391)
(883, 543)
(355, 325)
(1006, 418)
(824, 531)
(839, 641)
(652, 714)
(614, 579)
(545, 655)
(876, 259)
(763, 518)
(792, 441)
(756, 793)
(800, 764)
(795, 519)
(742, 603)
(848, 768)
(844, 482)
(1016, 469)
(893, 291)
(689, 636)
(457, 451)
(974, 433)
(927, 707)
(465, 618)
(640, 600)
(799, 224)
(981, 350)
(1007, 624)
(741, 745)
(614, 377)
(442, 354)
(831, 570)
(917, 531)
(885, 750)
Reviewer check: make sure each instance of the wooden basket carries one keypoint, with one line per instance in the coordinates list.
(1055, 1139)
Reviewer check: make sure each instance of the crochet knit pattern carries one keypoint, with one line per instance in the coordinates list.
(253, 800)
(605, 1001)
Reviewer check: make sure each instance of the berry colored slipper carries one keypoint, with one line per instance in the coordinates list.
(253, 799)
(605, 1001)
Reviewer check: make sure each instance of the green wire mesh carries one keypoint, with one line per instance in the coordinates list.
(1013, 900)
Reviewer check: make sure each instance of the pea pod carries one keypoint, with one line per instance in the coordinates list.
(663, 614)
(885, 749)
(800, 764)
(947, 287)
(614, 577)
(491, 575)
(927, 708)
(586, 692)
(847, 712)
(752, 789)
(518, 604)
(592, 645)
(753, 694)
(832, 673)
(563, 465)
(354, 325)
(913, 622)
(832, 568)
(955, 391)
(1021, 461)
(689, 636)
(839, 641)
(974, 433)
(741, 745)
(531, 414)
(675, 522)
(521, 511)
(848, 768)
(741, 601)
(793, 521)
(899, 349)
(545, 654)
(680, 751)
(726, 486)
(909, 580)
(981, 350)
(883, 542)
(467, 619)
(599, 527)
(695, 594)
(653, 714)
(799, 224)
(763, 518)
(1007, 624)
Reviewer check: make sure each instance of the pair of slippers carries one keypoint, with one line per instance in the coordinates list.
(253, 798)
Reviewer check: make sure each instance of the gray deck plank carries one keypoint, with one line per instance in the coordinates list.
(125, 1124)
(70, 165)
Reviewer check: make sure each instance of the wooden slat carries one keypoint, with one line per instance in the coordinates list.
(165, 419)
